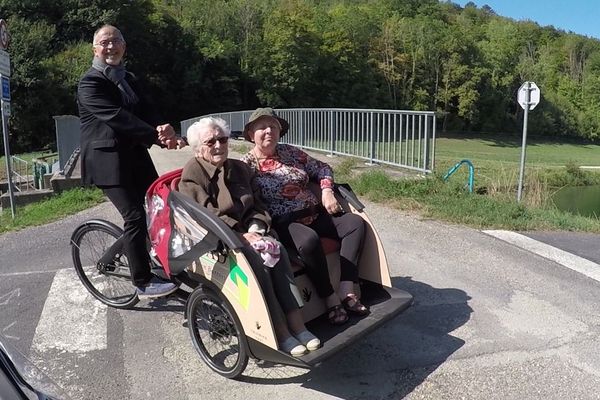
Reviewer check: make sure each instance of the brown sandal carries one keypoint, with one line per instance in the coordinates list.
(337, 315)
(357, 307)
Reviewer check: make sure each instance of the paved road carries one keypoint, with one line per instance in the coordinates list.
(490, 321)
(586, 245)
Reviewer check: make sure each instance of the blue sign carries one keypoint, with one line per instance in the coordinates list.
(5, 88)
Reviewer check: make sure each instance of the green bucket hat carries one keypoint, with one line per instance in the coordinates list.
(266, 112)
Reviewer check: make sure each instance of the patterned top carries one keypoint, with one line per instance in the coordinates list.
(284, 178)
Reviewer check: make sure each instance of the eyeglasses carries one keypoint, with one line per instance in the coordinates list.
(211, 142)
(114, 42)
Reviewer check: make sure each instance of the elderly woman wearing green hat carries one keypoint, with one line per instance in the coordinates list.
(299, 216)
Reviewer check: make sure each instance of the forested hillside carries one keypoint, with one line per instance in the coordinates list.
(201, 56)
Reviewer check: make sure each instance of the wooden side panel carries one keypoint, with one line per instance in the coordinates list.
(236, 280)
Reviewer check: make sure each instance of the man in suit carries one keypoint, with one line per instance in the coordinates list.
(118, 125)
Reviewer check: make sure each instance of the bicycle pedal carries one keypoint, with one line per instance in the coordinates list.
(105, 267)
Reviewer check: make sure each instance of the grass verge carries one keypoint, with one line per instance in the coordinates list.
(449, 201)
(52, 209)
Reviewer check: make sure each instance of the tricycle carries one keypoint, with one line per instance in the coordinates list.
(226, 311)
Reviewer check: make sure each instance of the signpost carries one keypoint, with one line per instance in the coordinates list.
(4, 36)
(5, 102)
(5, 88)
(4, 62)
(528, 97)
(5, 95)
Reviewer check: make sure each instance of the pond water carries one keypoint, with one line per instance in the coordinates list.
(583, 200)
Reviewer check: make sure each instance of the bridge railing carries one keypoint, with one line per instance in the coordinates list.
(400, 138)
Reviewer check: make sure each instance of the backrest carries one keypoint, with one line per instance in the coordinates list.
(175, 183)
(158, 215)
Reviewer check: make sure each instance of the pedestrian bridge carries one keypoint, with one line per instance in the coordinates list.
(399, 138)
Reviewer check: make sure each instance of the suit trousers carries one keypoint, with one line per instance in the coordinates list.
(130, 203)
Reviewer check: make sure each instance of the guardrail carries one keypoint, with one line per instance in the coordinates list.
(400, 138)
(21, 178)
(29, 175)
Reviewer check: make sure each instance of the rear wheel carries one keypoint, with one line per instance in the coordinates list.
(217, 333)
(108, 282)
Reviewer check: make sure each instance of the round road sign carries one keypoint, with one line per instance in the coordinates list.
(4, 37)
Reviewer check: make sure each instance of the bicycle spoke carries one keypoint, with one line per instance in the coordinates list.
(110, 283)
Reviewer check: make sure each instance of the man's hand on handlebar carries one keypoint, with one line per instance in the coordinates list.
(175, 143)
(168, 139)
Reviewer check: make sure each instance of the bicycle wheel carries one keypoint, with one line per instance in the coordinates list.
(110, 283)
(217, 333)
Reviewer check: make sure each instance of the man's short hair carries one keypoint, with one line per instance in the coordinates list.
(107, 26)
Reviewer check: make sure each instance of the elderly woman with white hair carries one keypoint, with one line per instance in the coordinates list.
(226, 187)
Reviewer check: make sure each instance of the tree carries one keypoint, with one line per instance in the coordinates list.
(32, 98)
(202, 56)
(288, 61)
(346, 32)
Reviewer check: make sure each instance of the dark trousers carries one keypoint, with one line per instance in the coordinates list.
(277, 284)
(347, 228)
(130, 203)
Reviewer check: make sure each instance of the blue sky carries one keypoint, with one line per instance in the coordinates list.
(579, 16)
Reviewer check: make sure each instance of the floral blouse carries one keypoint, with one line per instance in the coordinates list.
(284, 179)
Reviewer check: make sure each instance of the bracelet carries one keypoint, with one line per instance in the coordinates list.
(326, 183)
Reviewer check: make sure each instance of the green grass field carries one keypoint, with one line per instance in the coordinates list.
(539, 153)
(52, 209)
(549, 166)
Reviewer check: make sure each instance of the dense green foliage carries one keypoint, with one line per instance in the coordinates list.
(202, 56)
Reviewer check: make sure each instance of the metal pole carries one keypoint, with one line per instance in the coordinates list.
(331, 134)
(372, 139)
(7, 156)
(523, 145)
(433, 143)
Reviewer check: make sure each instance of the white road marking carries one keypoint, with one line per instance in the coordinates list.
(571, 261)
(29, 272)
(7, 327)
(72, 320)
(6, 298)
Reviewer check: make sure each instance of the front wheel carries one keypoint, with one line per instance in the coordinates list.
(217, 333)
(108, 282)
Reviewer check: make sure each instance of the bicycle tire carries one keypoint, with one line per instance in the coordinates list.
(88, 243)
(217, 333)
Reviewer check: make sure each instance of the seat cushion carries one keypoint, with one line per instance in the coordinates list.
(330, 245)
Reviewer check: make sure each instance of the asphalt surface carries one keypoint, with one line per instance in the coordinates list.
(586, 245)
(490, 321)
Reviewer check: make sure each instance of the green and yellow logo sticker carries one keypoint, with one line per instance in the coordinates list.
(239, 278)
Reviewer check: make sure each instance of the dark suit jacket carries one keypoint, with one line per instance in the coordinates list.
(114, 138)
(232, 194)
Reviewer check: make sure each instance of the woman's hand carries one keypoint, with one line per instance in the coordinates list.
(330, 202)
(251, 237)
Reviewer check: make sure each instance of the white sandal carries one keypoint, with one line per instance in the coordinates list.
(310, 341)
